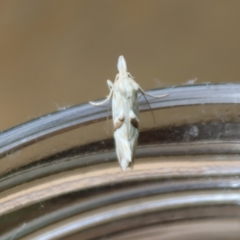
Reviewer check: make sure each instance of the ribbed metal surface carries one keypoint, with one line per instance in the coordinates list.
(186, 174)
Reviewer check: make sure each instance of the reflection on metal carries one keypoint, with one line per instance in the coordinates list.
(65, 120)
(186, 174)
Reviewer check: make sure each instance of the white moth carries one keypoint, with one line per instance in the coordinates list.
(125, 113)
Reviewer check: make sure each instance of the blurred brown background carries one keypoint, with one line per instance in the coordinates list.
(59, 53)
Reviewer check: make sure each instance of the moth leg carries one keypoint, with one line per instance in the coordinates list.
(101, 103)
(118, 121)
(150, 95)
(110, 86)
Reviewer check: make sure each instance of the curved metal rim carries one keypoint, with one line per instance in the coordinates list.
(130, 193)
(147, 205)
(38, 170)
(70, 118)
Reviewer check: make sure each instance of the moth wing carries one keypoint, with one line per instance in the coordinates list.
(118, 114)
(123, 149)
(125, 119)
(133, 111)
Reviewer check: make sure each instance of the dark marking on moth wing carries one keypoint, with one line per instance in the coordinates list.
(118, 123)
(133, 119)
(134, 122)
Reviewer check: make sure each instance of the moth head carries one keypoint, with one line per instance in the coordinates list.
(122, 69)
(122, 65)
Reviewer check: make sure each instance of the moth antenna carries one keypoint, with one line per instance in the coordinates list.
(122, 65)
(149, 107)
